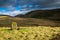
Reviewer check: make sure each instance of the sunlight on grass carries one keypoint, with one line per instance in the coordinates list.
(29, 33)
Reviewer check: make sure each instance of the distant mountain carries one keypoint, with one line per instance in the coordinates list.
(20, 15)
(45, 14)
(5, 15)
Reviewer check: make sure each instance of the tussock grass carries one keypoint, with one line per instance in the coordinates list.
(29, 33)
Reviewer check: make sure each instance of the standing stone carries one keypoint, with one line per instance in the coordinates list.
(14, 26)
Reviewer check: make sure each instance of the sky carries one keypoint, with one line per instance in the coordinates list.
(15, 7)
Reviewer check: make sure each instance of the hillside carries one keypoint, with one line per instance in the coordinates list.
(53, 14)
(7, 22)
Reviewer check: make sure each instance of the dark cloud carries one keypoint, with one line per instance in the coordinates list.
(41, 3)
(27, 5)
(4, 3)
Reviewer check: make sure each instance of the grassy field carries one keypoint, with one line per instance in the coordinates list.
(30, 33)
(32, 29)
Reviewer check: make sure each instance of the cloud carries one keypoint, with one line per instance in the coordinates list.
(30, 7)
(13, 13)
(4, 3)
(42, 3)
(27, 5)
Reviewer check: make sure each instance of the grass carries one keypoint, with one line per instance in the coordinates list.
(29, 33)
(6, 21)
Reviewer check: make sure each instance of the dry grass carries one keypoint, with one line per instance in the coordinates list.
(6, 21)
(29, 33)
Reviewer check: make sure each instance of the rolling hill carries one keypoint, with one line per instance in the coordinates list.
(49, 17)
(7, 22)
(33, 18)
(53, 14)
